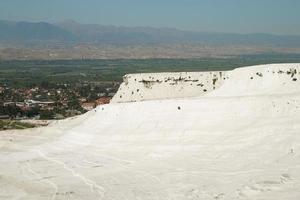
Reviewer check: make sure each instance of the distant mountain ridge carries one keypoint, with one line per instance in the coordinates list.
(27, 31)
(71, 32)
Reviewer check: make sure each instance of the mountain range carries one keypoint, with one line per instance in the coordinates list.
(72, 33)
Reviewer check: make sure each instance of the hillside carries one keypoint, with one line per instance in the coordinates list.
(71, 32)
(71, 40)
(24, 32)
(239, 140)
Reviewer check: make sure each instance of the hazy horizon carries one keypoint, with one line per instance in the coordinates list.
(233, 16)
(162, 27)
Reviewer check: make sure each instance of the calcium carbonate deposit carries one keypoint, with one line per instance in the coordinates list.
(168, 136)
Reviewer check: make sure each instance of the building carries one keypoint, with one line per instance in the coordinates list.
(88, 106)
(4, 117)
(103, 100)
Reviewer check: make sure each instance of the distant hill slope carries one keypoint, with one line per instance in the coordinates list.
(148, 35)
(25, 31)
(72, 32)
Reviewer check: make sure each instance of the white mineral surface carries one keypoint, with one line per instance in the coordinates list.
(178, 136)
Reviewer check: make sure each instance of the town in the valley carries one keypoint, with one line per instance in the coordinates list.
(46, 103)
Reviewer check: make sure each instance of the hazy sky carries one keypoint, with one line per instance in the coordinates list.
(243, 16)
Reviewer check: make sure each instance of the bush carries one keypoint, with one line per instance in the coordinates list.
(46, 114)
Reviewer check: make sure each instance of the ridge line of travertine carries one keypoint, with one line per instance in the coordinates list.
(165, 85)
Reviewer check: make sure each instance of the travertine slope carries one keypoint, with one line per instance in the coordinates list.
(240, 140)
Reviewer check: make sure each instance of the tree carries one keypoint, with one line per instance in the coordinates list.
(74, 103)
(47, 114)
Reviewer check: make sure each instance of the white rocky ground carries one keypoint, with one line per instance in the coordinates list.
(239, 140)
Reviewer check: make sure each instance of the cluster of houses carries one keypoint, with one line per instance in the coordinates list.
(91, 105)
(31, 102)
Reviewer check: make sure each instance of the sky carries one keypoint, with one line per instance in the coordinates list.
(236, 16)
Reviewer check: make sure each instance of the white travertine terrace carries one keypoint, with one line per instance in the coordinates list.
(239, 140)
(153, 86)
(260, 79)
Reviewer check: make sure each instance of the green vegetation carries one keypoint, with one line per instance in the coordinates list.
(10, 124)
(50, 73)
